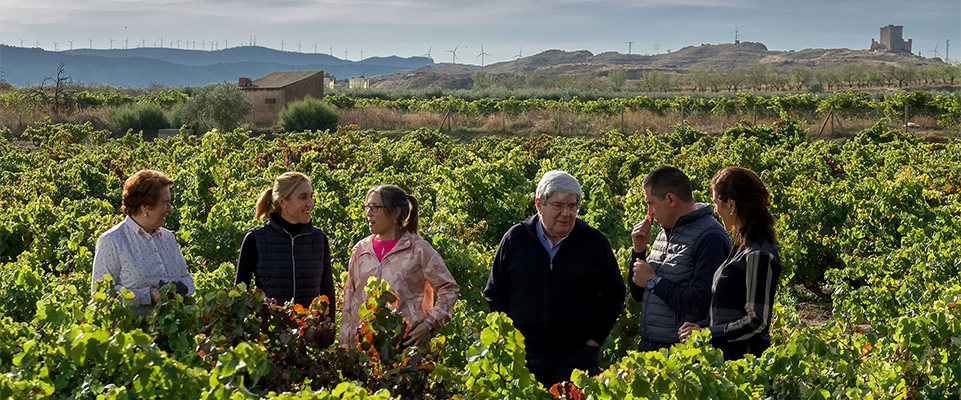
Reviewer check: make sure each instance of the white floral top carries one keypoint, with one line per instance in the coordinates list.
(138, 261)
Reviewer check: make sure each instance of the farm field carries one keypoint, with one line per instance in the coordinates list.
(870, 225)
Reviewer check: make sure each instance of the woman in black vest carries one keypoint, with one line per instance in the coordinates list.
(745, 284)
(287, 257)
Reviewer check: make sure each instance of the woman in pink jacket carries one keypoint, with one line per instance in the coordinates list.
(395, 253)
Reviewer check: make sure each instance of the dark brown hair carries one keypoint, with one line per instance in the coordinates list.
(751, 200)
(284, 186)
(143, 189)
(667, 179)
(394, 198)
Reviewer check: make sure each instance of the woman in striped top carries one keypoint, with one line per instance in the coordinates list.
(744, 287)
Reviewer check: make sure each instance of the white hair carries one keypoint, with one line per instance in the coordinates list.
(557, 182)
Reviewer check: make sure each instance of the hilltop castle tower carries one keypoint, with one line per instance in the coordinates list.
(892, 41)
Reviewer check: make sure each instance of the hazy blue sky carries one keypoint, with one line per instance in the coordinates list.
(411, 27)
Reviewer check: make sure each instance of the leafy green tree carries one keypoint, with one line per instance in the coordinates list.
(617, 80)
(481, 80)
(308, 114)
(800, 76)
(512, 82)
(217, 105)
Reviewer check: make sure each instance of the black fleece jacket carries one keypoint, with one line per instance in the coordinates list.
(562, 303)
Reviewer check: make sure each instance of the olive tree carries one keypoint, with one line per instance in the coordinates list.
(217, 105)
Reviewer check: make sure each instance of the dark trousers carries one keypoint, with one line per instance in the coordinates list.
(554, 369)
(648, 345)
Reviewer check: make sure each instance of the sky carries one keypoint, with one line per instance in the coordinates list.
(505, 28)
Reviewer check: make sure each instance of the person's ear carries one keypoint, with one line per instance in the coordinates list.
(537, 205)
(671, 199)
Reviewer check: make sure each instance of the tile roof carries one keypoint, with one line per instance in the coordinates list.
(280, 79)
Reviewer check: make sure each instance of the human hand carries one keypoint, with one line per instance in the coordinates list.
(154, 295)
(641, 235)
(642, 272)
(182, 288)
(686, 330)
(418, 335)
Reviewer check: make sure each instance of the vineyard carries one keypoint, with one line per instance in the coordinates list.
(871, 224)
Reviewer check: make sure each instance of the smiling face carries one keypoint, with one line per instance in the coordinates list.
(557, 216)
(155, 215)
(296, 209)
(726, 210)
(381, 221)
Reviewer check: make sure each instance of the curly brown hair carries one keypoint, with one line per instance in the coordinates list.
(143, 189)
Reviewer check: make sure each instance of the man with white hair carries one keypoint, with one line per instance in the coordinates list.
(558, 279)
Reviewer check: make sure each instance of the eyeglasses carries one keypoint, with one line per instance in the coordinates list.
(561, 206)
(374, 208)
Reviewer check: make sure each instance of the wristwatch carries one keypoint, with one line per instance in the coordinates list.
(652, 282)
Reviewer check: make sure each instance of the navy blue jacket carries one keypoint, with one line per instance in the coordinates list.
(562, 303)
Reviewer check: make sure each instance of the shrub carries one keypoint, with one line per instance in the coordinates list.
(308, 114)
(217, 105)
(139, 117)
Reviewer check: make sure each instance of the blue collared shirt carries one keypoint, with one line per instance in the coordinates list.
(551, 247)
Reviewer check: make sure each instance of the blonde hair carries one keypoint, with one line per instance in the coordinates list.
(284, 186)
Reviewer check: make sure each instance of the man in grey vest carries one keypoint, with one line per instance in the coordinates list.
(673, 282)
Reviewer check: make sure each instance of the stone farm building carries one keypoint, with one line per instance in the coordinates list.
(271, 93)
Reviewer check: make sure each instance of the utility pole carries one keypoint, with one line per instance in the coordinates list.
(629, 44)
(947, 44)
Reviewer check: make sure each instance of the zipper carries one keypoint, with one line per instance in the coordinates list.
(293, 266)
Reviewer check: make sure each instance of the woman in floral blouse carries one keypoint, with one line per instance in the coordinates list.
(139, 253)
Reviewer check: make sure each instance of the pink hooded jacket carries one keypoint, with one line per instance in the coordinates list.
(413, 269)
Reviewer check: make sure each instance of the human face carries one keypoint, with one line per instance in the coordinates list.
(557, 217)
(296, 208)
(381, 221)
(155, 215)
(726, 210)
(663, 211)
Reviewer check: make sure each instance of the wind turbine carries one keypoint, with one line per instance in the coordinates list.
(203, 45)
(281, 45)
(428, 54)
(315, 47)
(161, 42)
(935, 51)
(482, 54)
(331, 49)
(37, 44)
(298, 47)
(520, 53)
(71, 44)
(225, 44)
(361, 54)
(91, 43)
(21, 42)
(178, 43)
(143, 42)
(453, 54)
(126, 43)
(54, 46)
(629, 47)
(111, 43)
(345, 54)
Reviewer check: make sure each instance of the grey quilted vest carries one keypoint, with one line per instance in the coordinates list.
(673, 258)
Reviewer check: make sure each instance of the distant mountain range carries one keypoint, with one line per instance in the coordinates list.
(172, 67)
